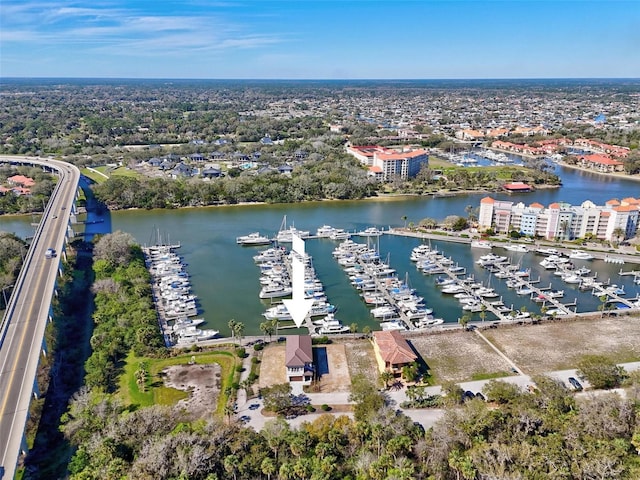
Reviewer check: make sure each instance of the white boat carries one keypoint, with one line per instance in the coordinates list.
(182, 323)
(453, 289)
(340, 234)
(429, 322)
(524, 291)
(193, 334)
(583, 271)
(521, 315)
(370, 232)
(580, 255)
(516, 247)
(275, 291)
(384, 311)
(330, 324)
(285, 235)
(572, 278)
(393, 325)
(481, 244)
(547, 251)
(254, 238)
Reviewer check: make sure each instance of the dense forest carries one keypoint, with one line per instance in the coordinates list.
(341, 178)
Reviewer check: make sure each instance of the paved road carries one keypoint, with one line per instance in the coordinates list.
(22, 328)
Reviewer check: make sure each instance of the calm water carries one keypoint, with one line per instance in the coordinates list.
(225, 277)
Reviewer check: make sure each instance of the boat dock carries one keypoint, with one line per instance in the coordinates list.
(470, 287)
(394, 303)
(175, 304)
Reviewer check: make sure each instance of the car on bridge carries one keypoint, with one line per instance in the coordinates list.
(50, 253)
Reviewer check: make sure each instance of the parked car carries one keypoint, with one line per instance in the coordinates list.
(575, 383)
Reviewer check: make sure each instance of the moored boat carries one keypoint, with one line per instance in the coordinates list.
(254, 238)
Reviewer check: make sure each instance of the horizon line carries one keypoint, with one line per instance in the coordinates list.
(2, 78)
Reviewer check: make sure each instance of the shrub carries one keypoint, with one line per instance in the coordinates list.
(241, 352)
(325, 407)
(310, 408)
(258, 346)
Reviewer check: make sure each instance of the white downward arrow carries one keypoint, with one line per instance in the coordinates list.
(298, 306)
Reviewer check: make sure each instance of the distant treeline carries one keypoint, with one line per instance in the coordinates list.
(341, 179)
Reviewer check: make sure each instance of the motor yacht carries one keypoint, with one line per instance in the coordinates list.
(580, 255)
(253, 239)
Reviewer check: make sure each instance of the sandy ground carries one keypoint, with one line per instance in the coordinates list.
(558, 345)
(201, 381)
(458, 356)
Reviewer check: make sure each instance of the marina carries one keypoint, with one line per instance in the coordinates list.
(175, 304)
(224, 277)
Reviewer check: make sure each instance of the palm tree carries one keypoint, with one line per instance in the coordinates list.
(269, 327)
(618, 233)
(353, 328)
(268, 467)
(404, 218)
(386, 377)
(464, 320)
(603, 304)
(483, 312)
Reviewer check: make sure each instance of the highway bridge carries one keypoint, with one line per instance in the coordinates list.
(29, 309)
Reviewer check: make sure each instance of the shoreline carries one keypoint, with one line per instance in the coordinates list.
(619, 175)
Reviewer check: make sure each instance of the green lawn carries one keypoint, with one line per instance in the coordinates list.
(109, 172)
(158, 394)
(96, 177)
(123, 172)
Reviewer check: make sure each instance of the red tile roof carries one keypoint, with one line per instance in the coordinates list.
(393, 347)
(517, 186)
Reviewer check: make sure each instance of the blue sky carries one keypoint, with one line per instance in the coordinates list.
(330, 39)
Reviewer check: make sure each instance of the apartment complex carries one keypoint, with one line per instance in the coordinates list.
(611, 221)
(387, 164)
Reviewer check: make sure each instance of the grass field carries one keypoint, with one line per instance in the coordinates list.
(102, 173)
(156, 393)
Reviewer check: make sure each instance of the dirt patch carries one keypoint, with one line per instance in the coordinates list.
(201, 381)
(272, 370)
(337, 379)
(458, 356)
(361, 358)
(558, 345)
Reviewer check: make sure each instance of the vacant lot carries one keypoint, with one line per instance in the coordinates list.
(558, 345)
(459, 356)
(463, 356)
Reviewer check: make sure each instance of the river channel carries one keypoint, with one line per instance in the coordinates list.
(226, 280)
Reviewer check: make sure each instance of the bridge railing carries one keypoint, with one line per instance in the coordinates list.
(19, 283)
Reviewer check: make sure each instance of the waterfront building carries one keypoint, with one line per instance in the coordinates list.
(392, 163)
(562, 220)
(392, 351)
(299, 359)
(601, 163)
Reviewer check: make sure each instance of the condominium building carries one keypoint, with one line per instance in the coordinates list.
(388, 163)
(615, 220)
